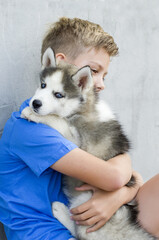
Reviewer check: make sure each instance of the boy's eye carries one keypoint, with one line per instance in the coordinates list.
(43, 85)
(58, 95)
(94, 70)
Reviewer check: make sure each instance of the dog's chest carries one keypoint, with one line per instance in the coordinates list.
(63, 126)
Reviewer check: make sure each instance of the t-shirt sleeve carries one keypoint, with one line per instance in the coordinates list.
(38, 145)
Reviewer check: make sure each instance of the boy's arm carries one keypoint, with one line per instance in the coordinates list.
(107, 175)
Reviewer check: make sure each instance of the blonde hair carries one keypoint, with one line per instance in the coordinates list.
(72, 36)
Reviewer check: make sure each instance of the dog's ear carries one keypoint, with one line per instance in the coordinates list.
(83, 78)
(48, 59)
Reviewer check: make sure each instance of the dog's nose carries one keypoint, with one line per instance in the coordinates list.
(37, 103)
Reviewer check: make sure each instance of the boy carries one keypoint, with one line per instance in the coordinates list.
(33, 156)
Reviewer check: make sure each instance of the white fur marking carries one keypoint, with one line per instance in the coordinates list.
(105, 113)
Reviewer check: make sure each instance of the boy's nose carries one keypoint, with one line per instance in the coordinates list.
(99, 85)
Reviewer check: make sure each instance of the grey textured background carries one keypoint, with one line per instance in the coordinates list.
(132, 85)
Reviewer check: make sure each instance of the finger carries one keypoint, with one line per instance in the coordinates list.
(96, 226)
(81, 208)
(89, 222)
(86, 187)
(82, 217)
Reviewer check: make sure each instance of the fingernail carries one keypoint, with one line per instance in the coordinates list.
(77, 222)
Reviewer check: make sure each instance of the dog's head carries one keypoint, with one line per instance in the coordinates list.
(63, 88)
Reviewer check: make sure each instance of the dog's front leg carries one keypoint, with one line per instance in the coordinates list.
(28, 114)
(62, 214)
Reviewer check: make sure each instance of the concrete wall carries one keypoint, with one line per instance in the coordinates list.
(132, 85)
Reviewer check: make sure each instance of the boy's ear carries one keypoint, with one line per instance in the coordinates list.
(60, 57)
(48, 59)
(83, 78)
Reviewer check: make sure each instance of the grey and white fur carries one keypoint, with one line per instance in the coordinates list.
(68, 102)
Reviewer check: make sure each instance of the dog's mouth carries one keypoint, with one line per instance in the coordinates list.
(35, 110)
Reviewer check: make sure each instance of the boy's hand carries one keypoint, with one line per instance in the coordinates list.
(101, 207)
(98, 210)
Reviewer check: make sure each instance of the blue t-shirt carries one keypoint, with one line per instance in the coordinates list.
(27, 185)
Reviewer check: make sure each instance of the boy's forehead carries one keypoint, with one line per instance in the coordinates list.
(93, 56)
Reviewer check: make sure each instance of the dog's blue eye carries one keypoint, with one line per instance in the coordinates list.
(58, 95)
(43, 85)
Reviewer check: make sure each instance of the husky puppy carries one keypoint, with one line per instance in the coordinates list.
(68, 102)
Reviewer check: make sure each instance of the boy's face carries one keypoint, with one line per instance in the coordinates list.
(98, 60)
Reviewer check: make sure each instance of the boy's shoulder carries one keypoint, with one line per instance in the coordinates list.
(24, 104)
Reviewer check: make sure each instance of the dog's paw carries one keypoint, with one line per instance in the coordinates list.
(62, 214)
(26, 113)
(59, 209)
